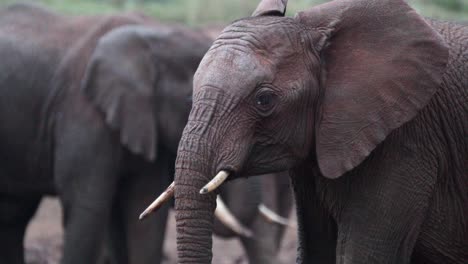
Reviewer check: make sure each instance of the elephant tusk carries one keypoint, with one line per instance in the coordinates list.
(164, 197)
(215, 182)
(229, 220)
(273, 217)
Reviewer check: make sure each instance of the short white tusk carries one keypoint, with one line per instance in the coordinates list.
(215, 182)
(229, 220)
(273, 217)
(164, 197)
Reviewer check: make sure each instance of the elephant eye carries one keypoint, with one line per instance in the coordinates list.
(265, 101)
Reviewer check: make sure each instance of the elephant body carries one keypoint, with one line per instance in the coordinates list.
(91, 110)
(23, 47)
(411, 186)
(364, 101)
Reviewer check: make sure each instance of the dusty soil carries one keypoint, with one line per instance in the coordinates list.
(44, 240)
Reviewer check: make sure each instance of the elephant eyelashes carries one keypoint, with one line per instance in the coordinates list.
(265, 100)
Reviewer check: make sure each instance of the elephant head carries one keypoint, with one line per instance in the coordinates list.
(326, 87)
(140, 78)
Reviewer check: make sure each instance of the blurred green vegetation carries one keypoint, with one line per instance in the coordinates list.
(196, 12)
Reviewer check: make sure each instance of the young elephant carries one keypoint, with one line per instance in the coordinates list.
(364, 101)
(79, 98)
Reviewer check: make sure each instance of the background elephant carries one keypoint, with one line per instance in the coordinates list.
(243, 198)
(364, 101)
(79, 97)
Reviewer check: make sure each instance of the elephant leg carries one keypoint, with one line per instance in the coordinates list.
(281, 199)
(144, 239)
(15, 213)
(262, 247)
(86, 173)
(317, 231)
(114, 245)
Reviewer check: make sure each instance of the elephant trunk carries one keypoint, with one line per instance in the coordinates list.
(194, 211)
(202, 165)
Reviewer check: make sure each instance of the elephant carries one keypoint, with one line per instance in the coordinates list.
(364, 102)
(91, 109)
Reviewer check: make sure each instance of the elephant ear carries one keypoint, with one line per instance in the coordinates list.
(271, 8)
(382, 63)
(119, 81)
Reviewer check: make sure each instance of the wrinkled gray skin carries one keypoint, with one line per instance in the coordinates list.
(79, 98)
(365, 102)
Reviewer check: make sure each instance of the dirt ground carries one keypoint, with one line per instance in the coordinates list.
(44, 240)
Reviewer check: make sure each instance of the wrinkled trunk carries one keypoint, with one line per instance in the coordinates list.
(194, 212)
(197, 163)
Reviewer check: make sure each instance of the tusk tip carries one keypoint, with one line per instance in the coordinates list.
(215, 182)
(273, 217)
(223, 214)
(142, 215)
(164, 197)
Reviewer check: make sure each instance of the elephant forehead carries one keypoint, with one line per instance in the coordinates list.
(272, 37)
(248, 53)
(231, 69)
